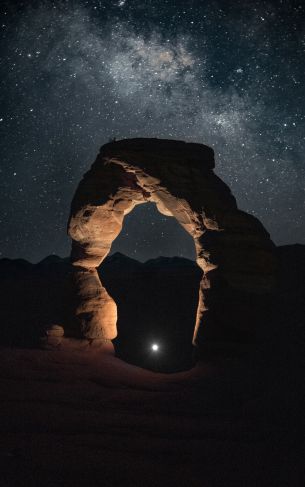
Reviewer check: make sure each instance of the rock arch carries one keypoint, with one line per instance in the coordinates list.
(233, 248)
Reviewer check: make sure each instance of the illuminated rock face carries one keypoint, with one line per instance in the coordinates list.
(233, 248)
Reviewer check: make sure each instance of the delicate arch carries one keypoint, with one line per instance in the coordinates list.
(233, 248)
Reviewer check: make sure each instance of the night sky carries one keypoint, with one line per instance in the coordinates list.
(229, 74)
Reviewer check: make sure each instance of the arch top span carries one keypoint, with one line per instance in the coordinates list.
(233, 248)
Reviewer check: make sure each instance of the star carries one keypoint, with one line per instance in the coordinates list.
(75, 74)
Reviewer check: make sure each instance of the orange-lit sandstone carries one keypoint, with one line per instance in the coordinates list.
(233, 248)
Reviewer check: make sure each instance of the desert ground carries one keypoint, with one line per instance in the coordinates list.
(90, 419)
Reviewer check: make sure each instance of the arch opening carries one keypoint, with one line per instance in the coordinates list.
(156, 295)
(147, 234)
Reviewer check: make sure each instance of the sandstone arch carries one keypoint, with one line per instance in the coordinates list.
(233, 248)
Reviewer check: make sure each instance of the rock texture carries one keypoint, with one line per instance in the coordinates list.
(233, 248)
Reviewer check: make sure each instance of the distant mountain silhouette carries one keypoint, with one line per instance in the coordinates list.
(156, 301)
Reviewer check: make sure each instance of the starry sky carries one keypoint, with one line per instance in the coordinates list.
(74, 74)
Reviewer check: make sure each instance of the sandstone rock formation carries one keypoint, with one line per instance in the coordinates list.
(233, 248)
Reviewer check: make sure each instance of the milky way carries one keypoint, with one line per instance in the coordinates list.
(74, 74)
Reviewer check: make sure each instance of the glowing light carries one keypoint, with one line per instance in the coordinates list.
(155, 347)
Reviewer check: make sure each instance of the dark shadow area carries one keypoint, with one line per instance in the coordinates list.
(157, 303)
(33, 296)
